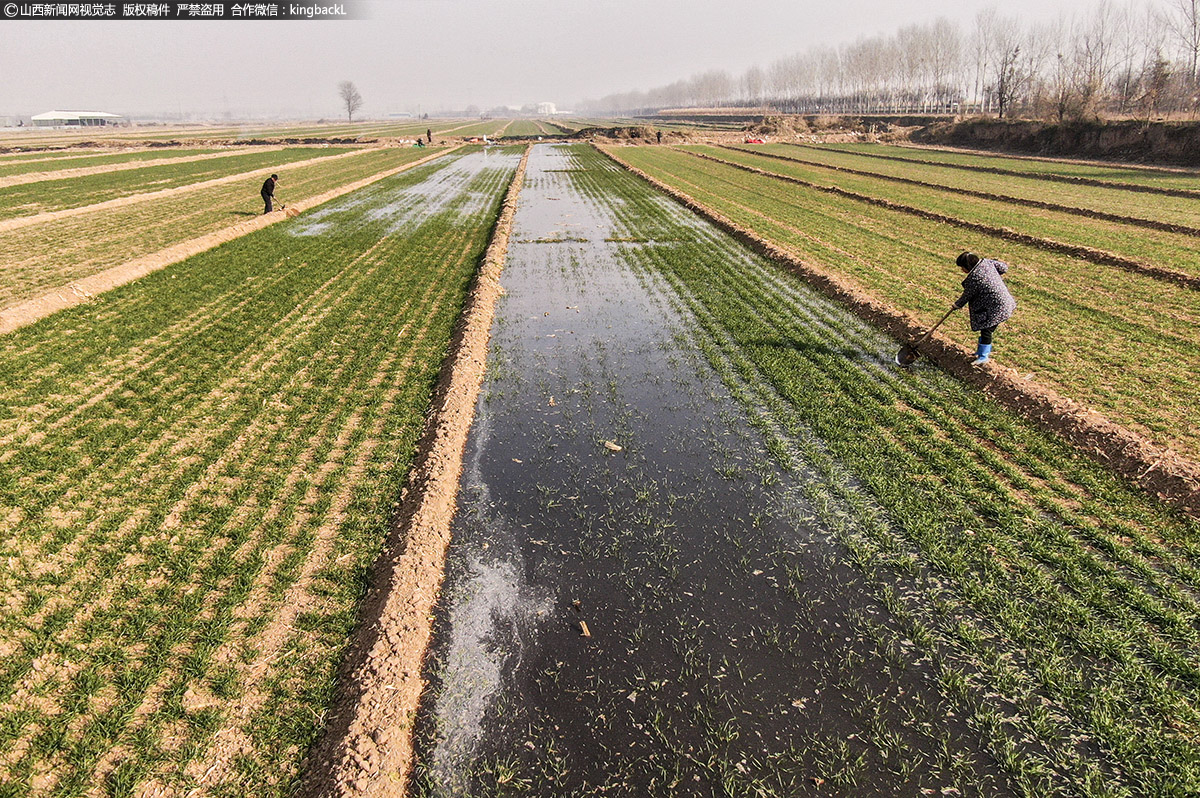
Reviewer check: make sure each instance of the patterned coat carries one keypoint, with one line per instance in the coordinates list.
(984, 290)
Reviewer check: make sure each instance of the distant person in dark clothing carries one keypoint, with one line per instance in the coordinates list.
(429, 135)
(658, 134)
(990, 302)
(268, 193)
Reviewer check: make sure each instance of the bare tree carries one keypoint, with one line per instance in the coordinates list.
(351, 99)
(753, 85)
(1184, 21)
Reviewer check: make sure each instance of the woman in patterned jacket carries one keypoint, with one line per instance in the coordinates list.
(987, 296)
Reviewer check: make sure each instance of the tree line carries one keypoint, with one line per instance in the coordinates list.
(1132, 60)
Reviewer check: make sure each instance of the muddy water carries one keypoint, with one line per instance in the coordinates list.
(446, 186)
(637, 600)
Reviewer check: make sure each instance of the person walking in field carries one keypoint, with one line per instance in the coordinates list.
(429, 134)
(268, 193)
(988, 298)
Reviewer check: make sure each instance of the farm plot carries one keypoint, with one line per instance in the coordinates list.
(22, 166)
(50, 155)
(491, 127)
(1134, 241)
(524, 128)
(796, 570)
(1119, 342)
(48, 255)
(197, 476)
(30, 199)
(1114, 199)
(1169, 179)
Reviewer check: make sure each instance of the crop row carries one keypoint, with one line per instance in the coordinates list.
(1075, 237)
(1106, 204)
(10, 167)
(29, 199)
(48, 255)
(524, 127)
(1179, 183)
(195, 487)
(1060, 608)
(1117, 342)
(492, 128)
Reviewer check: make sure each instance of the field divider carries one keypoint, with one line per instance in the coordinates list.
(996, 170)
(1136, 221)
(1097, 256)
(83, 171)
(366, 748)
(1160, 470)
(84, 289)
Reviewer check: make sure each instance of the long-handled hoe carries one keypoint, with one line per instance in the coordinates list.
(909, 353)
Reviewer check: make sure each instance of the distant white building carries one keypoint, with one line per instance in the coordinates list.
(547, 109)
(75, 119)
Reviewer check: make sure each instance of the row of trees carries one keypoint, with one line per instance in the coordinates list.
(1138, 59)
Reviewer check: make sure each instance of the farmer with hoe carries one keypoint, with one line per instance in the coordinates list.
(268, 192)
(987, 296)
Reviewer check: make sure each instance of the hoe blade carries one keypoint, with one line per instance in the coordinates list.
(907, 355)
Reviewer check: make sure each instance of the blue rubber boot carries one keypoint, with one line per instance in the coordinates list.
(981, 354)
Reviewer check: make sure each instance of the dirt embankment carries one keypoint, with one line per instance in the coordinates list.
(635, 134)
(1090, 254)
(1159, 470)
(1127, 140)
(366, 749)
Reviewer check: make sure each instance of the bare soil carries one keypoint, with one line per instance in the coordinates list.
(1159, 470)
(367, 745)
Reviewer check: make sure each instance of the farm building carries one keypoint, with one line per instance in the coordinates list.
(75, 119)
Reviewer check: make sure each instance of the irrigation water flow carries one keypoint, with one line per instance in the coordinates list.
(637, 600)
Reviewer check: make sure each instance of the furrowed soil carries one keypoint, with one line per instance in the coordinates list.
(711, 542)
(198, 472)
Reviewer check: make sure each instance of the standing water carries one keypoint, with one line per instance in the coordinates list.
(637, 600)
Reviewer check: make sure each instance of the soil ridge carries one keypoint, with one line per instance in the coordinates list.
(1098, 256)
(366, 747)
(1157, 469)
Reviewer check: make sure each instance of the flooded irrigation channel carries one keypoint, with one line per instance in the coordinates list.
(638, 598)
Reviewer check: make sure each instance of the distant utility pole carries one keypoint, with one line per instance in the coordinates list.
(351, 99)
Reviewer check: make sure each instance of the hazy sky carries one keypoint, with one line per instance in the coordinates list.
(435, 53)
